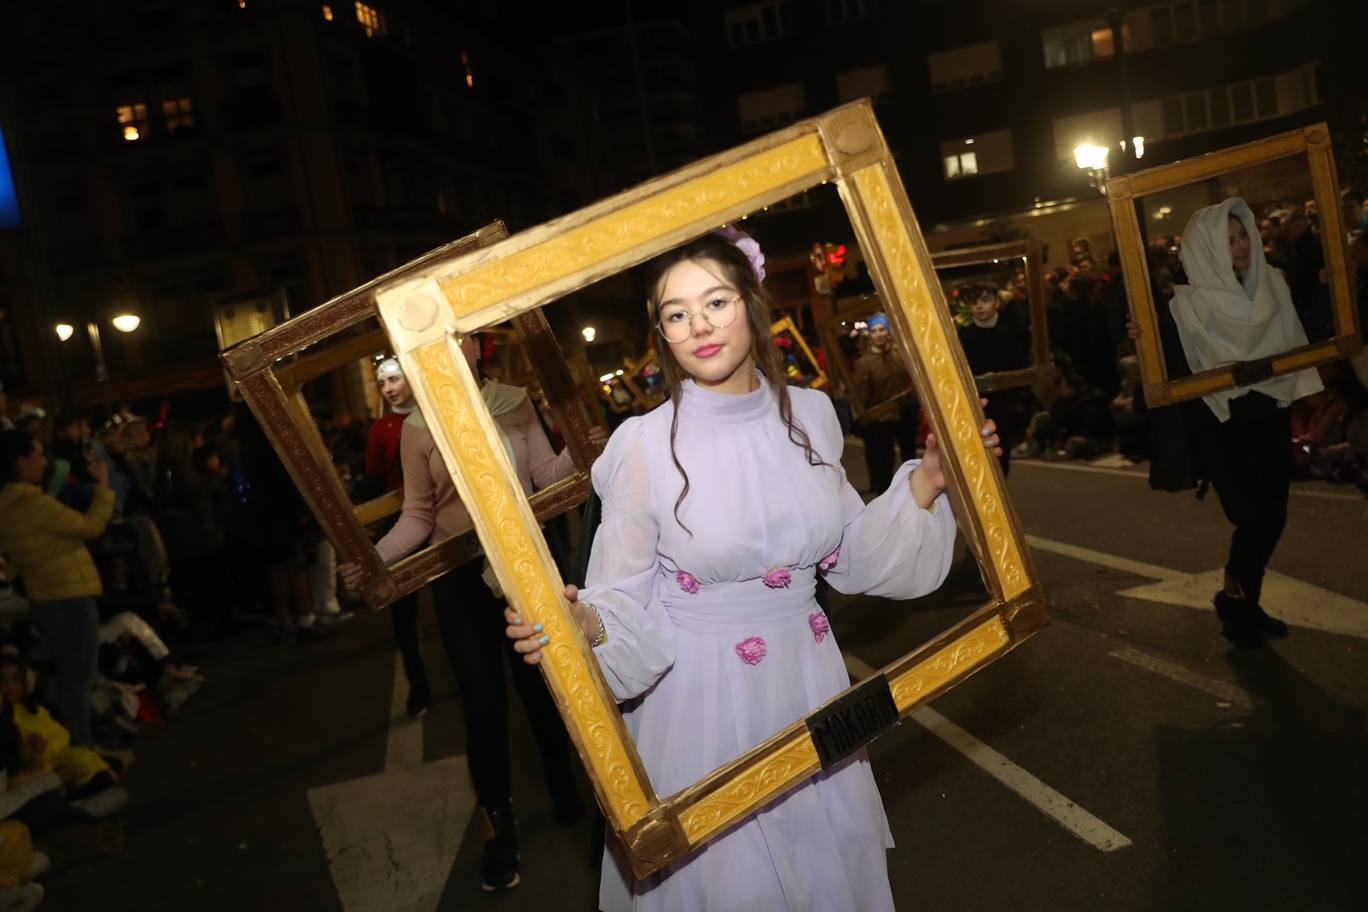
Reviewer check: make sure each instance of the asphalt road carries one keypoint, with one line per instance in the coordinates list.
(1125, 758)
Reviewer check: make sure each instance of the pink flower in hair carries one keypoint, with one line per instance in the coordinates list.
(778, 578)
(820, 625)
(747, 245)
(687, 582)
(751, 651)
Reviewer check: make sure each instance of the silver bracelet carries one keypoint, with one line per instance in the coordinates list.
(602, 636)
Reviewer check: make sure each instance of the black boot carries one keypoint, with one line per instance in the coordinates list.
(1237, 620)
(499, 866)
(567, 809)
(419, 698)
(1266, 625)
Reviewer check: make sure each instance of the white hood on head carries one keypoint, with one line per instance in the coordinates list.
(1223, 320)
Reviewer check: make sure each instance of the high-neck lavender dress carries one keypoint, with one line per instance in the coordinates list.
(715, 640)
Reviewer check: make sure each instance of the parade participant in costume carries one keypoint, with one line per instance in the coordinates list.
(880, 375)
(720, 509)
(1235, 309)
(468, 602)
(385, 469)
(993, 346)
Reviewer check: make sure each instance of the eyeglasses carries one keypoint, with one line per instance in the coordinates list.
(676, 322)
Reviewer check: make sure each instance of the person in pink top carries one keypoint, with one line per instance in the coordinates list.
(467, 604)
(720, 510)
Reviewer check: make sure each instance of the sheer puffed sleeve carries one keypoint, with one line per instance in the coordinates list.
(623, 566)
(890, 547)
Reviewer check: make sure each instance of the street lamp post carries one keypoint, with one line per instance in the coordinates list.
(124, 323)
(1093, 159)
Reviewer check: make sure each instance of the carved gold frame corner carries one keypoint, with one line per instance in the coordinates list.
(426, 313)
(1311, 143)
(270, 371)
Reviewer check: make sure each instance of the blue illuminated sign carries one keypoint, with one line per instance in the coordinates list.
(9, 199)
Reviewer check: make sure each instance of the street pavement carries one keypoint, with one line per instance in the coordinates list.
(1124, 759)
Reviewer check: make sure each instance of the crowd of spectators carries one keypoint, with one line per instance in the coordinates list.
(127, 543)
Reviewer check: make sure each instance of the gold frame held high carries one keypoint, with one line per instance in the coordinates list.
(1311, 143)
(425, 313)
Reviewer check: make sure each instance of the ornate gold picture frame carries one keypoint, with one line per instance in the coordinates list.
(271, 379)
(1125, 193)
(798, 355)
(426, 312)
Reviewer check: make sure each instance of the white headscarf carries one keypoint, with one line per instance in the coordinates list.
(1223, 319)
(391, 367)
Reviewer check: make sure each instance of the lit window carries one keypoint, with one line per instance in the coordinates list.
(327, 13)
(1102, 43)
(179, 114)
(962, 164)
(372, 23)
(132, 121)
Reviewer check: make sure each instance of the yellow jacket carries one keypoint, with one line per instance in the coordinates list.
(57, 750)
(44, 541)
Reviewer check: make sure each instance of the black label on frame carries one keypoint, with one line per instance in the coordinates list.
(843, 727)
(1251, 372)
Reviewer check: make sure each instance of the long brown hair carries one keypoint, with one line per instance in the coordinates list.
(737, 271)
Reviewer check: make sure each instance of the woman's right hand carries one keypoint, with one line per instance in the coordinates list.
(350, 573)
(99, 470)
(528, 639)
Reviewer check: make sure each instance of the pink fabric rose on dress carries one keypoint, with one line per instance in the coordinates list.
(830, 560)
(687, 582)
(751, 651)
(778, 578)
(820, 625)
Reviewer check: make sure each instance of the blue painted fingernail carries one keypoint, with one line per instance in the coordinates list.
(537, 628)
(544, 640)
(517, 619)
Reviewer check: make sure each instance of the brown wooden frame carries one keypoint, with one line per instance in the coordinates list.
(426, 313)
(270, 370)
(831, 330)
(1312, 143)
(1035, 287)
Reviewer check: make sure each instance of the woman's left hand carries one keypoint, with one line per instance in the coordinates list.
(928, 479)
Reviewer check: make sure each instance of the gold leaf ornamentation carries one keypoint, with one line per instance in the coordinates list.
(510, 546)
(953, 661)
(930, 336)
(749, 789)
(579, 248)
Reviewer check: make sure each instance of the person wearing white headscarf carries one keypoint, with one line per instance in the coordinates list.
(1235, 309)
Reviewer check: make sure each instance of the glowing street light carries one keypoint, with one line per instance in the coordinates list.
(1090, 157)
(589, 333)
(1093, 159)
(127, 322)
(64, 331)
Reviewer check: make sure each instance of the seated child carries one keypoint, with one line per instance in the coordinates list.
(45, 745)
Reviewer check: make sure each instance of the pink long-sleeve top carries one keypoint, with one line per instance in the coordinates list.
(433, 510)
